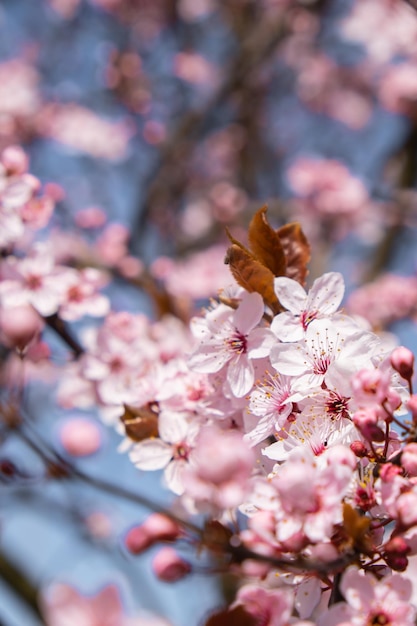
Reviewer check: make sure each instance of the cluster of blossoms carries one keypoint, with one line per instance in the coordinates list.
(276, 418)
(283, 422)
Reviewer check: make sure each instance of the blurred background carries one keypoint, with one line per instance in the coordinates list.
(154, 124)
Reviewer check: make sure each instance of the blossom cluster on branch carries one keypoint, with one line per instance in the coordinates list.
(283, 423)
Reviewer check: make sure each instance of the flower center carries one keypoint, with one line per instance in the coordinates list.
(307, 317)
(181, 451)
(379, 619)
(336, 406)
(237, 343)
(34, 282)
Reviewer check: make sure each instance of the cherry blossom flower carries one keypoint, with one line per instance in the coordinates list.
(63, 605)
(371, 602)
(81, 296)
(394, 25)
(231, 339)
(313, 432)
(225, 482)
(322, 300)
(84, 131)
(326, 346)
(272, 402)
(270, 607)
(170, 451)
(34, 280)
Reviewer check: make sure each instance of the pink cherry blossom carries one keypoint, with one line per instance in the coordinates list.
(225, 482)
(80, 436)
(170, 451)
(271, 401)
(371, 602)
(231, 339)
(65, 606)
(326, 347)
(34, 280)
(322, 300)
(270, 607)
(81, 295)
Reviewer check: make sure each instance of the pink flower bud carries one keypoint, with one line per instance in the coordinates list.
(409, 459)
(137, 540)
(80, 437)
(370, 386)
(161, 528)
(388, 472)
(169, 566)
(402, 360)
(15, 160)
(19, 326)
(359, 449)
(366, 421)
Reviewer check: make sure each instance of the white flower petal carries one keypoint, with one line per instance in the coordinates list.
(291, 294)
(151, 454)
(326, 294)
(287, 327)
(240, 376)
(249, 313)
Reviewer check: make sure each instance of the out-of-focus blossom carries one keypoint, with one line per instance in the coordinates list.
(389, 298)
(19, 100)
(198, 276)
(91, 217)
(393, 25)
(63, 605)
(327, 186)
(84, 131)
(398, 88)
(80, 436)
(371, 602)
(65, 8)
(195, 69)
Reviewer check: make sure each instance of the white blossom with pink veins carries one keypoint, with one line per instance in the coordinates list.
(312, 432)
(322, 300)
(230, 338)
(34, 280)
(369, 601)
(170, 451)
(271, 401)
(326, 346)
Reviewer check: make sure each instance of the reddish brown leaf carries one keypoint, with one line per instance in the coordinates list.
(297, 251)
(252, 275)
(266, 244)
(236, 242)
(232, 617)
(140, 423)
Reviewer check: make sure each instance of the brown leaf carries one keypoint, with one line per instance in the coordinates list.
(252, 275)
(297, 251)
(140, 422)
(232, 617)
(356, 527)
(266, 244)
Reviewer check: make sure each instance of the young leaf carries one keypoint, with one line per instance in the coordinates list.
(140, 423)
(252, 275)
(266, 244)
(297, 251)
